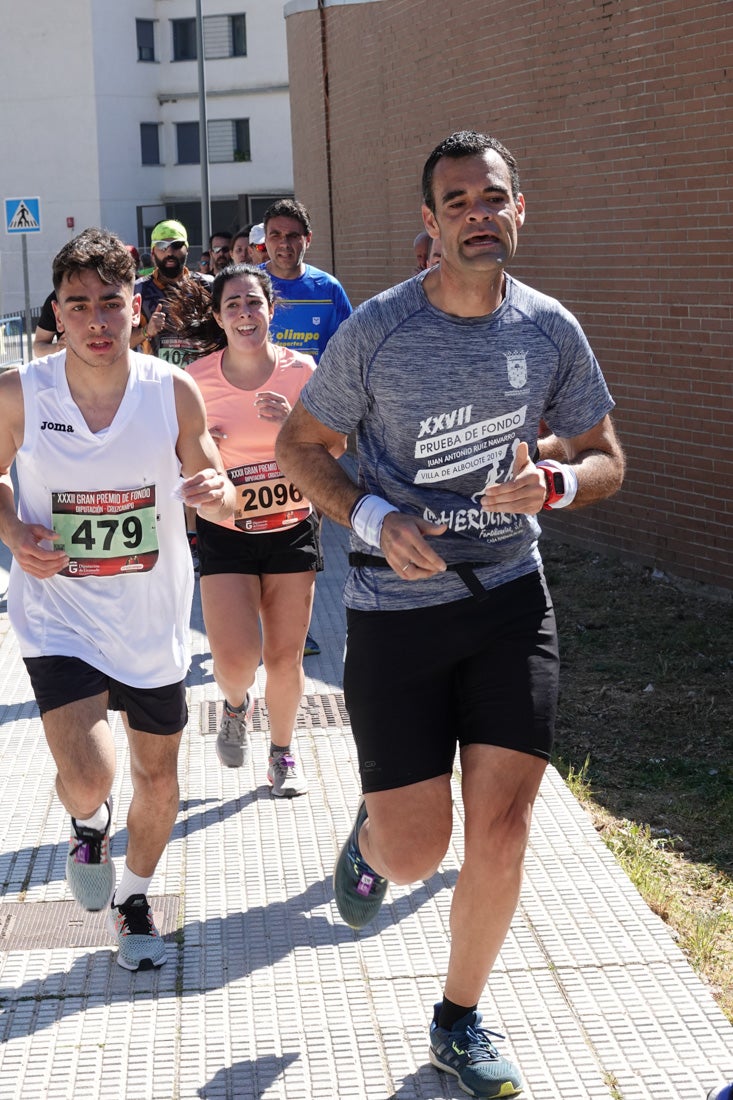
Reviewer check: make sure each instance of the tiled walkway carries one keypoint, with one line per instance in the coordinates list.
(266, 994)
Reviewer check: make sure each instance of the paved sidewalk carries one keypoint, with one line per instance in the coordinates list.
(266, 994)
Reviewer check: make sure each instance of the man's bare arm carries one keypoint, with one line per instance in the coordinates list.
(305, 452)
(11, 437)
(45, 342)
(599, 462)
(595, 457)
(22, 539)
(206, 486)
(148, 330)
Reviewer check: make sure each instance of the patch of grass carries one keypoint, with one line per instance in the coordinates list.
(576, 779)
(642, 856)
(611, 1082)
(644, 739)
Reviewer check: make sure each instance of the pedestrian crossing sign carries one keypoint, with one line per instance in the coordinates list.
(23, 215)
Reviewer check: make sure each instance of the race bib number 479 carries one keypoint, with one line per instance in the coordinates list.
(106, 532)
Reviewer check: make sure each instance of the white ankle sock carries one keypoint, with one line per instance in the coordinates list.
(130, 884)
(98, 820)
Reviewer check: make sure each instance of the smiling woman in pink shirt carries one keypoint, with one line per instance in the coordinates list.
(258, 568)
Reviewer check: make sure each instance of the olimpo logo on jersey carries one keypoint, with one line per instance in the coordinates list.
(291, 338)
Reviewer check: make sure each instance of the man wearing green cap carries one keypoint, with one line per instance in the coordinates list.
(156, 334)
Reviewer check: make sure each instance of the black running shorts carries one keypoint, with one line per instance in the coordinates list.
(295, 550)
(417, 683)
(57, 681)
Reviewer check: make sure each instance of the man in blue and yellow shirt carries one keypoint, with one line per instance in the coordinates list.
(313, 303)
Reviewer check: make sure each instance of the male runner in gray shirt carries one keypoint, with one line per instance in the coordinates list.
(446, 379)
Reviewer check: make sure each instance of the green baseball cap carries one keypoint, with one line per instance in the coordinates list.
(169, 231)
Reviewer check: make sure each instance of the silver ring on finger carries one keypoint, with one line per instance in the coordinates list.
(406, 567)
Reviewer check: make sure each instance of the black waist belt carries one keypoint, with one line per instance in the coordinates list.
(464, 569)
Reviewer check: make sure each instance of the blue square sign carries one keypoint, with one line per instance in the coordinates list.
(23, 215)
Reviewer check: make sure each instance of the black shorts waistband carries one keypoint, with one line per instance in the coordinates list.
(464, 569)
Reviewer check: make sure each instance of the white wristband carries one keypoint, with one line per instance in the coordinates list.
(367, 517)
(570, 479)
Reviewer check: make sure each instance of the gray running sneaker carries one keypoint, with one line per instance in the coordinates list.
(140, 944)
(358, 889)
(90, 871)
(285, 777)
(232, 740)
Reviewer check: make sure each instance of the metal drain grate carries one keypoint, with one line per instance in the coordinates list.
(315, 712)
(47, 925)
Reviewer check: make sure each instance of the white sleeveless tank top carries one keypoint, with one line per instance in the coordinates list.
(124, 603)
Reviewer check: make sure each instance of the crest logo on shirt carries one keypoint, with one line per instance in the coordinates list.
(316, 320)
(516, 368)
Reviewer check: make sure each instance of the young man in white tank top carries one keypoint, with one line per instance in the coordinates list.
(107, 444)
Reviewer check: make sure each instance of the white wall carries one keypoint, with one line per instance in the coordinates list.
(48, 137)
(126, 95)
(73, 95)
(253, 87)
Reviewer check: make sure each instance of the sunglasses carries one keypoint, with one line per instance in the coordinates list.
(221, 248)
(259, 247)
(177, 245)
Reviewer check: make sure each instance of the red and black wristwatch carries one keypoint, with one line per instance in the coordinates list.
(554, 484)
(561, 483)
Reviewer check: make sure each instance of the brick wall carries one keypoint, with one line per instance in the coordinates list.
(620, 117)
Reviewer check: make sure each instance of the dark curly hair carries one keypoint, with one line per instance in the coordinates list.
(191, 307)
(288, 208)
(95, 250)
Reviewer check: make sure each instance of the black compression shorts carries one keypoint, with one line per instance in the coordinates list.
(419, 682)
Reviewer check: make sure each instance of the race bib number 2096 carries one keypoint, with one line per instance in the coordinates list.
(266, 501)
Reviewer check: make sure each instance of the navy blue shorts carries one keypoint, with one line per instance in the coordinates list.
(57, 681)
(419, 683)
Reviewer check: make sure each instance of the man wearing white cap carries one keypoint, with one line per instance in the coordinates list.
(257, 246)
(248, 245)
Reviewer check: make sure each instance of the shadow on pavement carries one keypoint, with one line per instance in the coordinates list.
(203, 955)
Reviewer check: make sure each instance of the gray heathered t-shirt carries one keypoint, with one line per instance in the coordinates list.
(440, 404)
